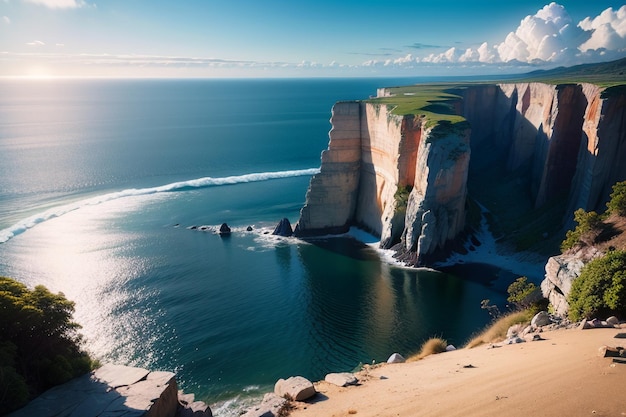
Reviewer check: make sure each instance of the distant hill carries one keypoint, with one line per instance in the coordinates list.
(604, 74)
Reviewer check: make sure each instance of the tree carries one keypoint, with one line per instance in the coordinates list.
(600, 290)
(617, 203)
(520, 291)
(39, 342)
(589, 227)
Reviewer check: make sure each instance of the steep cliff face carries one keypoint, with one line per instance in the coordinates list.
(565, 141)
(372, 155)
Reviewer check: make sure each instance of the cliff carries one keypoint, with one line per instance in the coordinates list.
(406, 175)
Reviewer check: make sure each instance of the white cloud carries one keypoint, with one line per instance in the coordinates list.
(547, 37)
(6, 20)
(609, 30)
(58, 4)
(35, 43)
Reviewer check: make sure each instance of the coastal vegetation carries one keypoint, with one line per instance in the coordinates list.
(600, 290)
(496, 331)
(432, 346)
(39, 343)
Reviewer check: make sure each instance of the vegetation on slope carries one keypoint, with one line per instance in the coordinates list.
(434, 102)
(605, 74)
(39, 343)
(600, 290)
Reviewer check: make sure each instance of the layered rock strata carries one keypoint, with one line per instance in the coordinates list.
(404, 177)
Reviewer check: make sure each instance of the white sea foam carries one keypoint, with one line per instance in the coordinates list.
(32, 221)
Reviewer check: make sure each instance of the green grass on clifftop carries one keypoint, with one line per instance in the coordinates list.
(431, 101)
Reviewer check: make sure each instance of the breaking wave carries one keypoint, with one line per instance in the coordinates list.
(30, 222)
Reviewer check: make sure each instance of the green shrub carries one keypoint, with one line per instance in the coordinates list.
(40, 344)
(589, 227)
(520, 291)
(617, 203)
(600, 290)
(402, 197)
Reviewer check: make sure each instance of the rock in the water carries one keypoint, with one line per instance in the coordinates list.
(341, 379)
(283, 228)
(224, 229)
(396, 358)
(541, 319)
(296, 388)
(249, 228)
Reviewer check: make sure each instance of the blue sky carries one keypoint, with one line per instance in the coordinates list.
(280, 38)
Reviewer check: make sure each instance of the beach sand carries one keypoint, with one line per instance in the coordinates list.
(562, 375)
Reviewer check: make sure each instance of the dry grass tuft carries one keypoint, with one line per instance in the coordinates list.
(431, 347)
(496, 332)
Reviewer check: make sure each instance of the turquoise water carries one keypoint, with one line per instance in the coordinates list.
(102, 182)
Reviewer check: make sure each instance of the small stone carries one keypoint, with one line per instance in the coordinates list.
(396, 358)
(341, 379)
(450, 348)
(514, 340)
(608, 352)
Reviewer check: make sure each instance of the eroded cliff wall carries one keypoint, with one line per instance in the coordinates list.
(404, 178)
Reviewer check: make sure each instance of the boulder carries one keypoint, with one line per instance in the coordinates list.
(541, 319)
(613, 321)
(450, 348)
(396, 358)
(341, 379)
(283, 228)
(296, 388)
(272, 406)
(224, 230)
(249, 228)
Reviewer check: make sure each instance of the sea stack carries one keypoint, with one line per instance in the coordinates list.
(224, 230)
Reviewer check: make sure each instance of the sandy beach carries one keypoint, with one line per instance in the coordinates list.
(562, 375)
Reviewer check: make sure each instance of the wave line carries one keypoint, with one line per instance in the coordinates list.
(32, 221)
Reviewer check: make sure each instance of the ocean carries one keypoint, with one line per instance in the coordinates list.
(111, 192)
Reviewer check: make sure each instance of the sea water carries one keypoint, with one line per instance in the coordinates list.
(111, 192)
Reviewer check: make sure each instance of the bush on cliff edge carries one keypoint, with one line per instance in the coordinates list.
(39, 343)
(600, 290)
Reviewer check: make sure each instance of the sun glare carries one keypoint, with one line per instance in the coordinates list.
(38, 73)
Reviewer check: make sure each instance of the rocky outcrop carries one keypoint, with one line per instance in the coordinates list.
(404, 177)
(112, 390)
(561, 271)
(283, 228)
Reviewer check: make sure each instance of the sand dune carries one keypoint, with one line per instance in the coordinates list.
(562, 375)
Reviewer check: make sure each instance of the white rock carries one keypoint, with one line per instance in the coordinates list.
(296, 388)
(272, 406)
(450, 348)
(396, 358)
(612, 320)
(341, 379)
